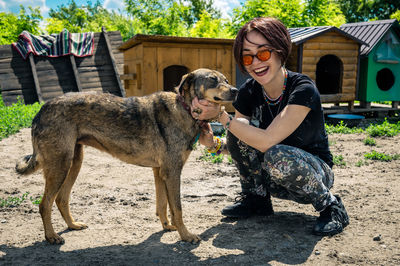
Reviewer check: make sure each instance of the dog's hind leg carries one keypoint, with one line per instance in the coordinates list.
(55, 170)
(162, 200)
(63, 196)
(172, 181)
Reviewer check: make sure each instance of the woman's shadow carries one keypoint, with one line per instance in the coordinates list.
(284, 237)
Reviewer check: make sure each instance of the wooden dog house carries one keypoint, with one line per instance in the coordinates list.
(42, 78)
(330, 57)
(157, 63)
(379, 61)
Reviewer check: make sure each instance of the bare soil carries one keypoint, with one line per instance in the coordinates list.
(117, 202)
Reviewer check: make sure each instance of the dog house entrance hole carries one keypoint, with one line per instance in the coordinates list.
(173, 75)
(385, 79)
(329, 74)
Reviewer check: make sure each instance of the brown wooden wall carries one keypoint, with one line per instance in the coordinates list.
(56, 76)
(145, 63)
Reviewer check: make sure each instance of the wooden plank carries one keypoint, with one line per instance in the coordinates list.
(150, 72)
(339, 53)
(208, 58)
(339, 97)
(35, 77)
(113, 62)
(75, 71)
(190, 58)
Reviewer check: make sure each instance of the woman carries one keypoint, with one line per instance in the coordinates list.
(277, 137)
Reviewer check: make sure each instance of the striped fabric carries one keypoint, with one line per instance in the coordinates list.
(54, 45)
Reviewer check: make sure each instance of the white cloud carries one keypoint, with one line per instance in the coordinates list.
(226, 6)
(116, 5)
(2, 5)
(13, 5)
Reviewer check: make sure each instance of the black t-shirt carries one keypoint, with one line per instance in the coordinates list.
(300, 90)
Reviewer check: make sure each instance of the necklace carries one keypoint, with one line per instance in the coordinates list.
(271, 101)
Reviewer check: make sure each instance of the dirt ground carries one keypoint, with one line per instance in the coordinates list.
(117, 202)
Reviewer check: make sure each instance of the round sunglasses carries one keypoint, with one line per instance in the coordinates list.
(262, 55)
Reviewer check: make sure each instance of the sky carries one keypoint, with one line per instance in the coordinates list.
(225, 6)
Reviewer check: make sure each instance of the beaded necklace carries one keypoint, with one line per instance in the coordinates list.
(273, 102)
(277, 100)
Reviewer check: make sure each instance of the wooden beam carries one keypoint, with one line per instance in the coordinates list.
(109, 48)
(35, 78)
(76, 73)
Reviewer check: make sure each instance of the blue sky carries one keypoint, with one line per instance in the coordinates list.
(13, 5)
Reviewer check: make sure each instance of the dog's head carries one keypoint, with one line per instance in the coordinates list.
(207, 84)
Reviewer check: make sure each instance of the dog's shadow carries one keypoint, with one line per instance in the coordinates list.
(285, 237)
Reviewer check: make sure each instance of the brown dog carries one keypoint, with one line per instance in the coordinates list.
(156, 131)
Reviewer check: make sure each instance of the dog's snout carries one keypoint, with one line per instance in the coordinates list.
(234, 90)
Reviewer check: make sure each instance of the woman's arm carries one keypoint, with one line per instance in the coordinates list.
(287, 121)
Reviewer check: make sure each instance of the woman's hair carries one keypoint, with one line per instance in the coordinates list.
(273, 30)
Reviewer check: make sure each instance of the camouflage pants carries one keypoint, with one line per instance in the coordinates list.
(284, 172)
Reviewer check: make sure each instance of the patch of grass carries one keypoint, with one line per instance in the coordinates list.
(361, 162)
(369, 141)
(338, 160)
(206, 156)
(379, 156)
(16, 116)
(15, 201)
(384, 129)
(342, 128)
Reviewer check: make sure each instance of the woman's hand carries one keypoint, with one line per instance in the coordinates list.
(206, 136)
(204, 110)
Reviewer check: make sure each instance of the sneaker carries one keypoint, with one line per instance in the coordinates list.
(332, 220)
(247, 205)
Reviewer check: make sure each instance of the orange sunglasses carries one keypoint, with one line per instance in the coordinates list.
(262, 55)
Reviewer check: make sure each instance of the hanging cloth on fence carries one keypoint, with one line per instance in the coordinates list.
(55, 45)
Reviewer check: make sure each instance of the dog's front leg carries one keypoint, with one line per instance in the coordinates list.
(162, 200)
(172, 182)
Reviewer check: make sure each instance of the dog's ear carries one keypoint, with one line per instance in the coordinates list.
(185, 83)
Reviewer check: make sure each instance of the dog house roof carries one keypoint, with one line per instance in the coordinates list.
(140, 38)
(300, 35)
(370, 32)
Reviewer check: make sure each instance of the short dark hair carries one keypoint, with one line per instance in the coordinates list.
(273, 30)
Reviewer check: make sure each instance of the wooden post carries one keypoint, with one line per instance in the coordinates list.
(35, 78)
(110, 53)
(76, 73)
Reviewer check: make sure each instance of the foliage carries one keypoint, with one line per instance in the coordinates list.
(16, 201)
(338, 160)
(15, 117)
(342, 128)
(384, 129)
(374, 155)
(369, 141)
(364, 10)
(210, 28)
(11, 25)
(396, 15)
(293, 13)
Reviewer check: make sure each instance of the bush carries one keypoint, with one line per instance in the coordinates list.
(16, 116)
(385, 129)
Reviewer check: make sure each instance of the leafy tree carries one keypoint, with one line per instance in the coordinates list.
(364, 10)
(293, 13)
(396, 15)
(210, 28)
(12, 25)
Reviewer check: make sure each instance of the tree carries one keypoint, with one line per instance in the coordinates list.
(12, 25)
(364, 10)
(208, 27)
(293, 13)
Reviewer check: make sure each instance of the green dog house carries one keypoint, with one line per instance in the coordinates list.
(379, 78)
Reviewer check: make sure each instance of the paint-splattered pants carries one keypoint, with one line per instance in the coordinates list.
(283, 171)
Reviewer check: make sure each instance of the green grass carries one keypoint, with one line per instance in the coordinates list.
(17, 200)
(378, 156)
(370, 141)
(15, 117)
(384, 129)
(341, 128)
(338, 160)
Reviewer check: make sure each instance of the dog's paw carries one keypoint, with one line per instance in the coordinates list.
(169, 227)
(77, 226)
(55, 239)
(192, 238)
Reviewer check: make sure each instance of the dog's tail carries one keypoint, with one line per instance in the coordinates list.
(27, 165)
